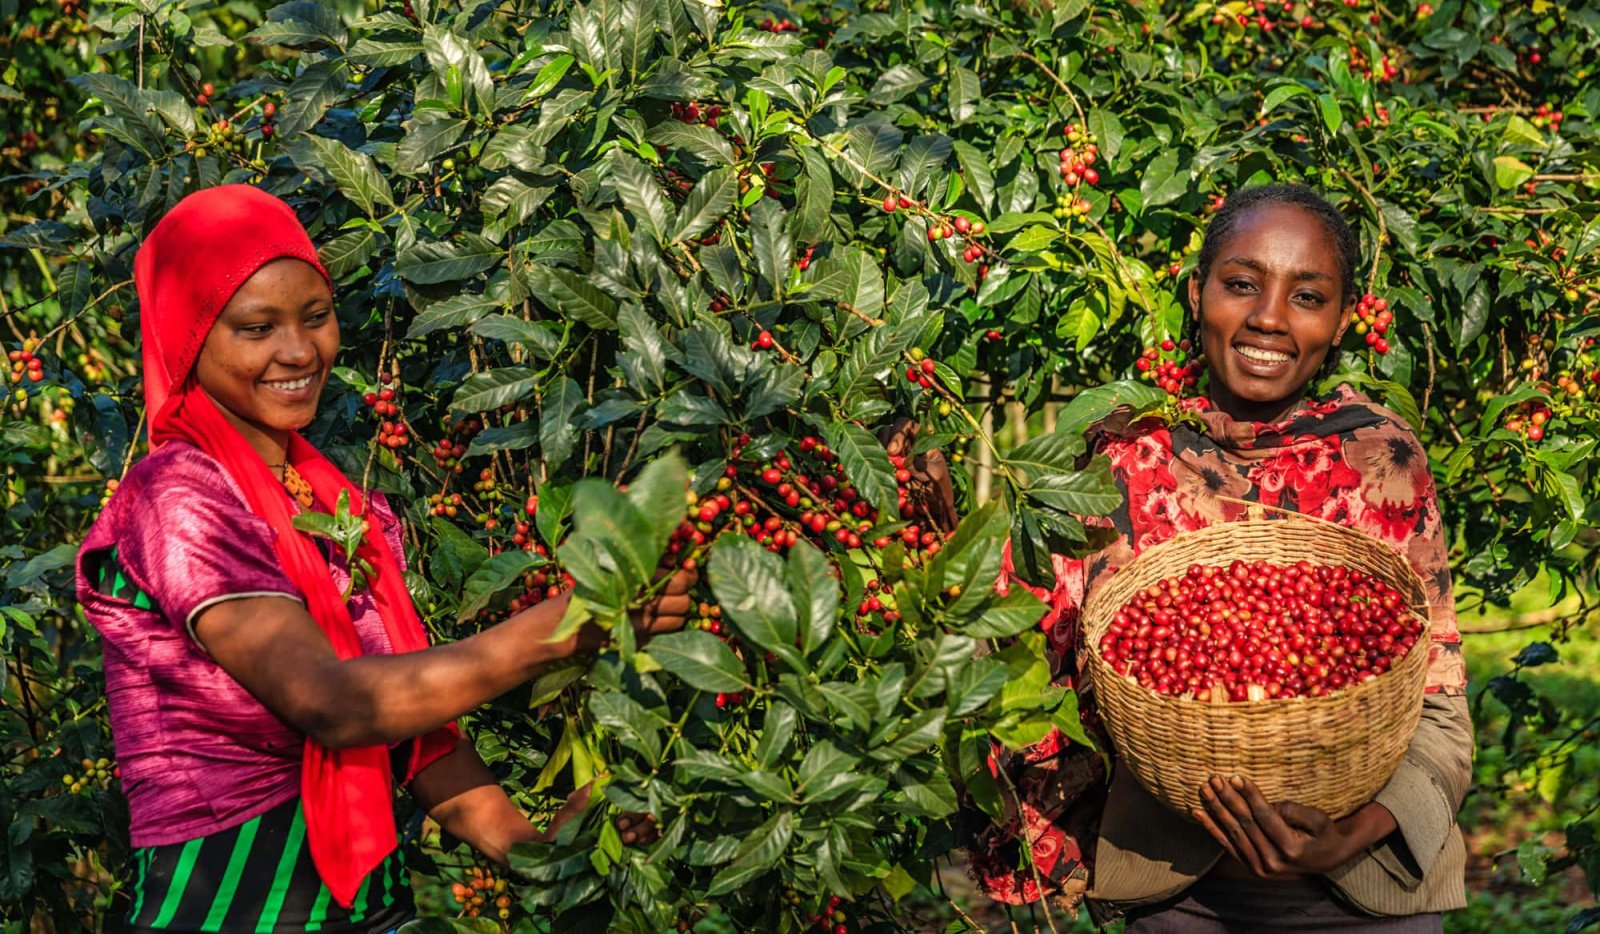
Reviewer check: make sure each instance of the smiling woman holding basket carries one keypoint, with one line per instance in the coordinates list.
(1271, 298)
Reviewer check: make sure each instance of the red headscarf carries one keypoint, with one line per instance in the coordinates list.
(186, 271)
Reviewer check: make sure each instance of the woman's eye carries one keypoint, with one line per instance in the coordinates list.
(319, 317)
(1239, 285)
(1309, 298)
(257, 330)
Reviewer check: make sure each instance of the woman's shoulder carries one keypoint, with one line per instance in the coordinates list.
(174, 481)
(177, 469)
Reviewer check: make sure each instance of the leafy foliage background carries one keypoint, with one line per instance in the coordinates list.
(531, 229)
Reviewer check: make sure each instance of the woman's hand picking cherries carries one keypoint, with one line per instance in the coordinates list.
(1285, 838)
(930, 474)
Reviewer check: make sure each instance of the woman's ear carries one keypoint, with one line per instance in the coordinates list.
(1344, 321)
(1194, 296)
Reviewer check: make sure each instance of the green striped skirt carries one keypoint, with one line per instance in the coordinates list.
(258, 877)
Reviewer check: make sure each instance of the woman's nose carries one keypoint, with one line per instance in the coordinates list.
(1270, 311)
(297, 348)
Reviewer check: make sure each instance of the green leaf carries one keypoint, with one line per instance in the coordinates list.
(426, 139)
(557, 436)
(1088, 492)
(431, 262)
(492, 389)
(1509, 172)
(300, 24)
(548, 77)
(354, 173)
(1007, 616)
(645, 359)
(1519, 130)
(314, 90)
(658, 493)
(1282, 93)
(1094, 404)
(776, 732)
(451, 54)
(576, 298)
(700, 660)
(452, 313)
(865, 463)
(369, 52)
(637, 187)
(494, 577)
(540, 337)
(771, 243)
(696, 139)
(1035, 239)
(707, 203)
(1163, 181)
(1056, 452)
(965, 93)
(757, 855)
(815, 593)
(748, 581)
(348, 252)
(975, 168)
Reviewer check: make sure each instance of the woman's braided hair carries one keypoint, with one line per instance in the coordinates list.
(1241, 203)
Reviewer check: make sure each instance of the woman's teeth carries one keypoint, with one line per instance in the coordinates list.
(291, 385)
(1262, 356)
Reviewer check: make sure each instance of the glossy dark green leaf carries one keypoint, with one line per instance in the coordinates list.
(700, 660)
(866, 463)
(749, 583)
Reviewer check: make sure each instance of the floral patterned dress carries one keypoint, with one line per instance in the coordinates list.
(1341, 458)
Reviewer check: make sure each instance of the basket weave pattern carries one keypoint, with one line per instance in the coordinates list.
(1333, 752)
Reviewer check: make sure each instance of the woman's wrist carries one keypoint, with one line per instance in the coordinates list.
(1368, 826)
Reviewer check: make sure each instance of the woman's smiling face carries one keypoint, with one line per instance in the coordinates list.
(271, 350)
(1271, 309)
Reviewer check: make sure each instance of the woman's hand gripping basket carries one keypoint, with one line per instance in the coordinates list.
(1333, 752)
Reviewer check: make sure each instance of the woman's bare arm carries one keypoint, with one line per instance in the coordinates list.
(273, 647)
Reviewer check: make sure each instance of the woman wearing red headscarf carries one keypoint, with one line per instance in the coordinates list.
(261, 719)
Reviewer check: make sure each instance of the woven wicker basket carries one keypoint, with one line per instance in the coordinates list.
(1333, 753)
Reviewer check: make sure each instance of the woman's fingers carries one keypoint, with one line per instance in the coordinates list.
(1267, 817)
(1216, 794)
(1203, 818)
(637, 829)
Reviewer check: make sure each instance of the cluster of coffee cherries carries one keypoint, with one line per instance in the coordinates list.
(482, 894)
(803, 261)
(693, 112)
(917, 538)
(1373, 319)
(1546, 115)
(445, 504)
(1380, 115)
(879, 601)
(1078, 157)
(1169, 367)
(393, 432)
(538, 586)
(777, 25)
(24, 364)
(922, 369)
(1251, 631)
(110, 491)
(1529, 419)
(830, 920)
(97, 775)
(447, 454)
